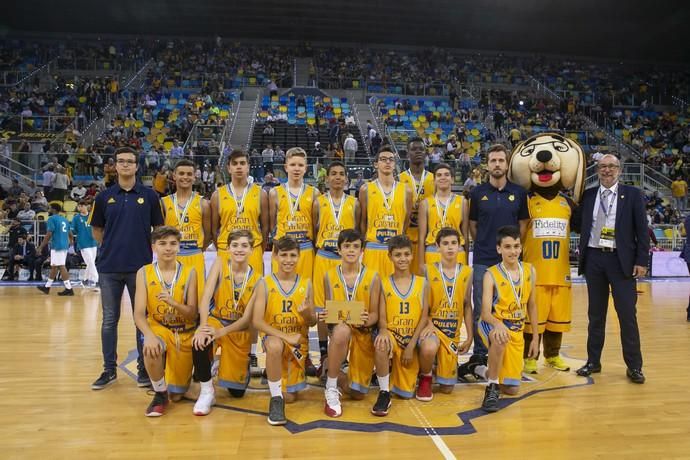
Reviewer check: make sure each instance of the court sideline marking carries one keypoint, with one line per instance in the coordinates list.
(430, 431)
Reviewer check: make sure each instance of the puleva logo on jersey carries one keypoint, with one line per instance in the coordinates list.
(446, 415)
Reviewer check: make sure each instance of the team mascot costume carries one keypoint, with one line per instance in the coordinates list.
(548, 165)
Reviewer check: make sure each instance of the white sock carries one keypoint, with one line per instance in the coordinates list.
(481, 371)
(159, 386)
(276, 388)
(207, 387)
(493, 381)
(384, 382)
(331, 382)
(49, 283)
(68, 285)
(253, 349)
(427, 374)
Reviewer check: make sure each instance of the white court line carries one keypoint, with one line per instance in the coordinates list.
(435, 438)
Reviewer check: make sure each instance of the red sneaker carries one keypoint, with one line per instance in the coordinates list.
(158, 405)
(424, 392)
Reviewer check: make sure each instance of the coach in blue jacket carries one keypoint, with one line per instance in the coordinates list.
(614, 251)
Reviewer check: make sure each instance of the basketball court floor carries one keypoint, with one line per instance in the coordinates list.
(50, 353)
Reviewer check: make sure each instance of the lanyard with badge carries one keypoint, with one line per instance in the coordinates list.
(418, 187)
(387, 202)
(239, 199)
(607, 238)
(440, 206)
(293, 205)
(518, 314)
(183, 215)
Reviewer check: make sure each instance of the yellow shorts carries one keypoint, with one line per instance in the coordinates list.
(511, 370)
(294, 378)
(555, 306)
(376, 258)
(403, 378)
(323, 262)
(361, 359)
(431, 256)
(233, 371)
(178, 356)
(305, 265)
(197, 261)
(256, 258)
(446, 359)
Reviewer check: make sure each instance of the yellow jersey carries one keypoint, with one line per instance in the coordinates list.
(361, 291)
(332, 220)
(385, 213)
(439, 216)
(281, 307)
(420, 191)
(547, 243)
(232, 294)
(239, 213)
(506, 292)
(403, 311)
(447, 298)
(294, 214)
(187, 219)
(159, 311)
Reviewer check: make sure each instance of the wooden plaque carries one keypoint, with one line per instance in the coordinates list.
(342, 311)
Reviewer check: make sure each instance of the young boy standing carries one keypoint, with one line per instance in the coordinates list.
(450, 289)
(165, 311)
(190, 213)
(60, 237)
(290, 211)
(351, 281)
(507, 299)
(224, 317)
(86, 243)
(403, 314)
(332, 213)
(385, 204)
(283, 310)
(443, 209)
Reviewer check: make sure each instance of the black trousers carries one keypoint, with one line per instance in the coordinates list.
(602, 271)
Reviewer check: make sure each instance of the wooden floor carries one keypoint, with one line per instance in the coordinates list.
(50, 353)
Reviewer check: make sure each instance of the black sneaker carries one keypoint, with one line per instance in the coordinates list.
(106, 378)
(143, 379)
(43, 289)
(309, 368)
(66, 292)
(383, 404)
(491, 396)
(468, 368)
(276, 411)
(158, 404)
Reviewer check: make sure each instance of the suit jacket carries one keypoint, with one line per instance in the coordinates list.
(30, 250)
(632, 231)
(685, 252)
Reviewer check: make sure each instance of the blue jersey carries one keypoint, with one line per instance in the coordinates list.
(81, 229)
(59, 227)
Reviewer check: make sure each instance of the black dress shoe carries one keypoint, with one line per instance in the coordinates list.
(588, 369)
(635, 375)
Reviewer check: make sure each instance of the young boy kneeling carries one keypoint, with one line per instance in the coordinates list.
(507, 298)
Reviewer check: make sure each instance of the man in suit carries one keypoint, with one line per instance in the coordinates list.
(614, 252)
(685, 253)
(23, 254)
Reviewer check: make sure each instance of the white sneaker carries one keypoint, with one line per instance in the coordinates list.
(332, 407)
(207, 398)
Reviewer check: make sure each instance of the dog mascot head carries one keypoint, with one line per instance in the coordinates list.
(548, 163)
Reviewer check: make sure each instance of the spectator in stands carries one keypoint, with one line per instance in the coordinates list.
(22, 254)
(92, 191)
(376, 142)
(350, 120)
(3, 192)
(435, 158)
(278, 156)
(15, 232)
(48, 180)
(499, 118)
(334, 133)
(26, 214)
(350, 149)
(12, 209)
(78, 192)
(160, 181)
(317, 153)
(267, 156)
(110, 172)
(269, 130)
(515, 136)
(208, 177)
(39, 203)
(15, 189)
(679, 190)
(60, 184)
